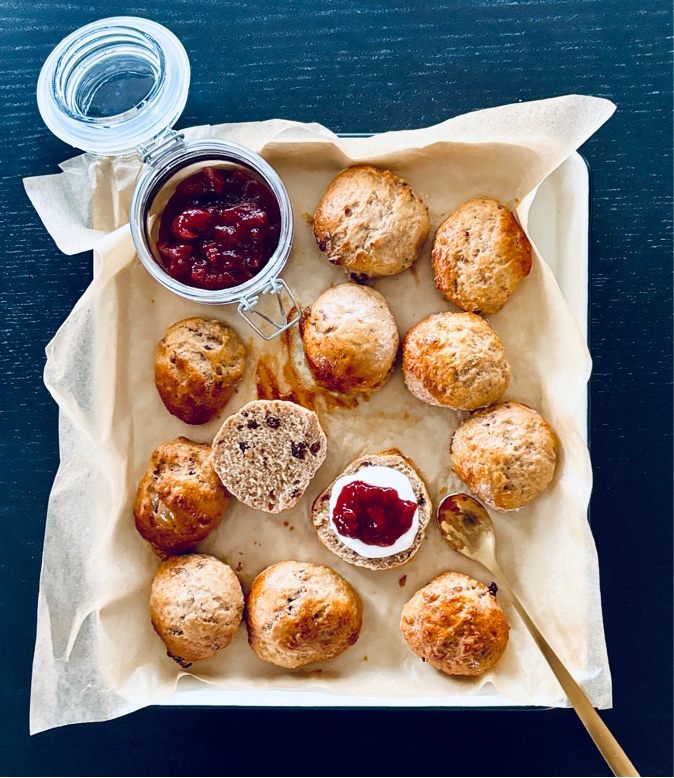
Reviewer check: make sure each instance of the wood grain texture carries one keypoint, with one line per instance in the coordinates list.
(366, 66)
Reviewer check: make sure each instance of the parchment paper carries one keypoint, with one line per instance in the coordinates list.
(96, 654)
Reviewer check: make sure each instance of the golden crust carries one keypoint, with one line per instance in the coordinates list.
(456, 625)
(480, 254)
(455, 360)
(506, 454)
(350, 339)
(196, 606)
(180, 499)
(297, 613)
(198, 364)
(371, 222)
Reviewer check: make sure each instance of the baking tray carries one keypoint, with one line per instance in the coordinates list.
(559, 227)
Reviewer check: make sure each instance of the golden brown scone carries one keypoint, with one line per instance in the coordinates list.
(180, 498)
(267, 453)
(350, 339)
(196, 606)
(371, 222)
(456, 625)
(297, 612)
(480, 254)
(199, 362)
(506, 454)
(455, 360)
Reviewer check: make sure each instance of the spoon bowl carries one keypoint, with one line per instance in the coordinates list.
(467, 526)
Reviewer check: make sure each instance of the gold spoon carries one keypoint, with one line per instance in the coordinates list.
(467, 527)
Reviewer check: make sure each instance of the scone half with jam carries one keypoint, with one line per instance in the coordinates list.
(375, 513)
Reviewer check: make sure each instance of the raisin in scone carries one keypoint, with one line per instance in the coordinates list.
(480, 254)
(198, 365)
(180, 499)
(455, 360)
(371, 222)
(456, 625)
(298, 612)
(267, 453)
(506, 454)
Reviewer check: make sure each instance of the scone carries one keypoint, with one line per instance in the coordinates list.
(371, 222)
(506, 454)
(455, 360)
(199, 362)
(375, 513)
(297, 613)
(350, 339)
(267, 453)
(456, 625)
(180, 498)
(480, 254)
(196, 606)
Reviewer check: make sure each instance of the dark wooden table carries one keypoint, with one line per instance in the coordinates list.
(368, 66)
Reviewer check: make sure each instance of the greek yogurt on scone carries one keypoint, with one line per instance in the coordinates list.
(389, 500)
(375, 513)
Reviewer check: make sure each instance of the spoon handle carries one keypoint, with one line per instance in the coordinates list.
(608, 746)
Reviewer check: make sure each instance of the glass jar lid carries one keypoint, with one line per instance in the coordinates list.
(114, 86)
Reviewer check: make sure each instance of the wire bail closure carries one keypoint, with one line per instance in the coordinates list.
(165, 141)
(277, 286)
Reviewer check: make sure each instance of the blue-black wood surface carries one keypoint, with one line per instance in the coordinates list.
(369, 66)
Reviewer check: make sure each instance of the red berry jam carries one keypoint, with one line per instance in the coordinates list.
(375, 515)
(219, 229)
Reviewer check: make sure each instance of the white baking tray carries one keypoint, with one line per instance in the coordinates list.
(559, 226)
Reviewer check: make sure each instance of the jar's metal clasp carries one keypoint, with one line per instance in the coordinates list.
(277, 287)
(168, 140)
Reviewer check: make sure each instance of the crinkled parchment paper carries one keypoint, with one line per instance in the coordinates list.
(97, 656)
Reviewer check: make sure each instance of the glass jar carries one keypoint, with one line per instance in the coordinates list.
(116, 87)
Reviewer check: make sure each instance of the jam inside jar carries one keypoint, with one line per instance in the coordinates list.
(219, 229)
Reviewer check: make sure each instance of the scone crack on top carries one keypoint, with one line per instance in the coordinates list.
(506, 454)
(371, 222)
(480, 254)
(198, 365)
(455, 360)
(350, 339)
